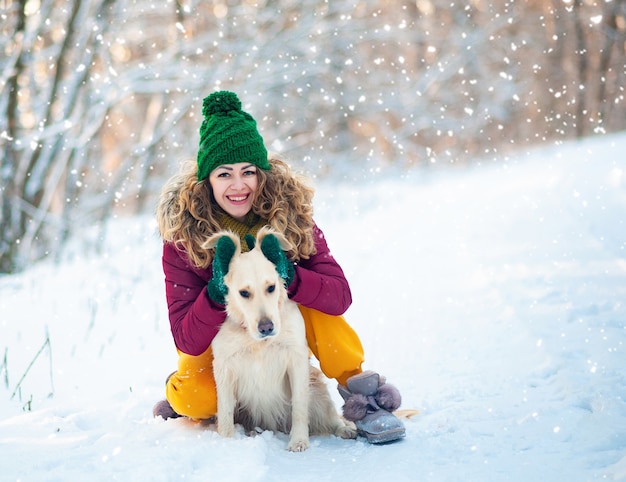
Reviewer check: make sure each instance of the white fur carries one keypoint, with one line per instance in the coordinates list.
(267, 381)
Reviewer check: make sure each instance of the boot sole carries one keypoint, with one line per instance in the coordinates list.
(384, 437)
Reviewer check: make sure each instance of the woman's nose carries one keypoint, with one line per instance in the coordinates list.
(238, 182)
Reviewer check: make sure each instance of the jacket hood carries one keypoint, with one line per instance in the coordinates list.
(168, 205)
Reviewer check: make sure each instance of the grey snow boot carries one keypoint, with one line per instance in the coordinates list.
(369, 402)
(164, 409)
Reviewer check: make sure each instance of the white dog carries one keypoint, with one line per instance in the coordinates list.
(261, 358)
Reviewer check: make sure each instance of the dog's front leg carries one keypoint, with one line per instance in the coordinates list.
(226, 401)
(299, 380)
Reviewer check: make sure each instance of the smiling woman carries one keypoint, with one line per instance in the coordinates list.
(235, 186)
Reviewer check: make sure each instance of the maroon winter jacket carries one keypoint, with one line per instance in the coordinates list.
(195, 318)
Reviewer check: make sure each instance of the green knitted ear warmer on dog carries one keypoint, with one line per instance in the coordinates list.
(271, 249)
(228, 135)
(224, 252)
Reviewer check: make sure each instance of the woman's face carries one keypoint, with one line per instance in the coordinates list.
(233, 188)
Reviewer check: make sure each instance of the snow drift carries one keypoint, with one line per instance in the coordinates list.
(492, 296)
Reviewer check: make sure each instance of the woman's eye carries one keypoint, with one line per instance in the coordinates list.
(249, 173)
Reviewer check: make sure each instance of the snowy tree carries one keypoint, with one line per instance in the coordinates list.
(101, 99)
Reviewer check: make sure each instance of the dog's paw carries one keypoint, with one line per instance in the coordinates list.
(346, 431)
(298, 445)
(226, 430)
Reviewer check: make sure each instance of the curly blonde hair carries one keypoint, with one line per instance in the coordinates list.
(187, 213)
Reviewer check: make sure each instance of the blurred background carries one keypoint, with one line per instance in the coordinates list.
(101, 99)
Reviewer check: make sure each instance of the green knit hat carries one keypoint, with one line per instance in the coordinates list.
(228, 135)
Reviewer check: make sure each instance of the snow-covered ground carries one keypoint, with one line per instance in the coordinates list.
(492, 296)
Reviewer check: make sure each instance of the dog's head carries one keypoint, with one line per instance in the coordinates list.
(255, 289)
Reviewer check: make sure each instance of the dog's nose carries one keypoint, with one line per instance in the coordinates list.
(266, 327)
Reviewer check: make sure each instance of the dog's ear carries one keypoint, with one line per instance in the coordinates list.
(215, 237)
(212, 241)
(271, 249)
(283, 242)
(226, 246)
(225, 249)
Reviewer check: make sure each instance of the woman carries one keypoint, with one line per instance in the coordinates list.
(233, 185)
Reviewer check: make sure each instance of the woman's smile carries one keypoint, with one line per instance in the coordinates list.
(238, 198)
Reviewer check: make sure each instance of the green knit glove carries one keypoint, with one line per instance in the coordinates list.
(271, 249)
(250, 241)
(224, 252)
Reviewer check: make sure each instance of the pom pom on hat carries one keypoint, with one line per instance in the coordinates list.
(223, 101)
(228, 135)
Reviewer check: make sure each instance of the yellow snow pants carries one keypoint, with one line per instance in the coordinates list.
(191, 389)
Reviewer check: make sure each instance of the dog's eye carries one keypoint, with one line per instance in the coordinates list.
(244, 293)
(271, 288)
